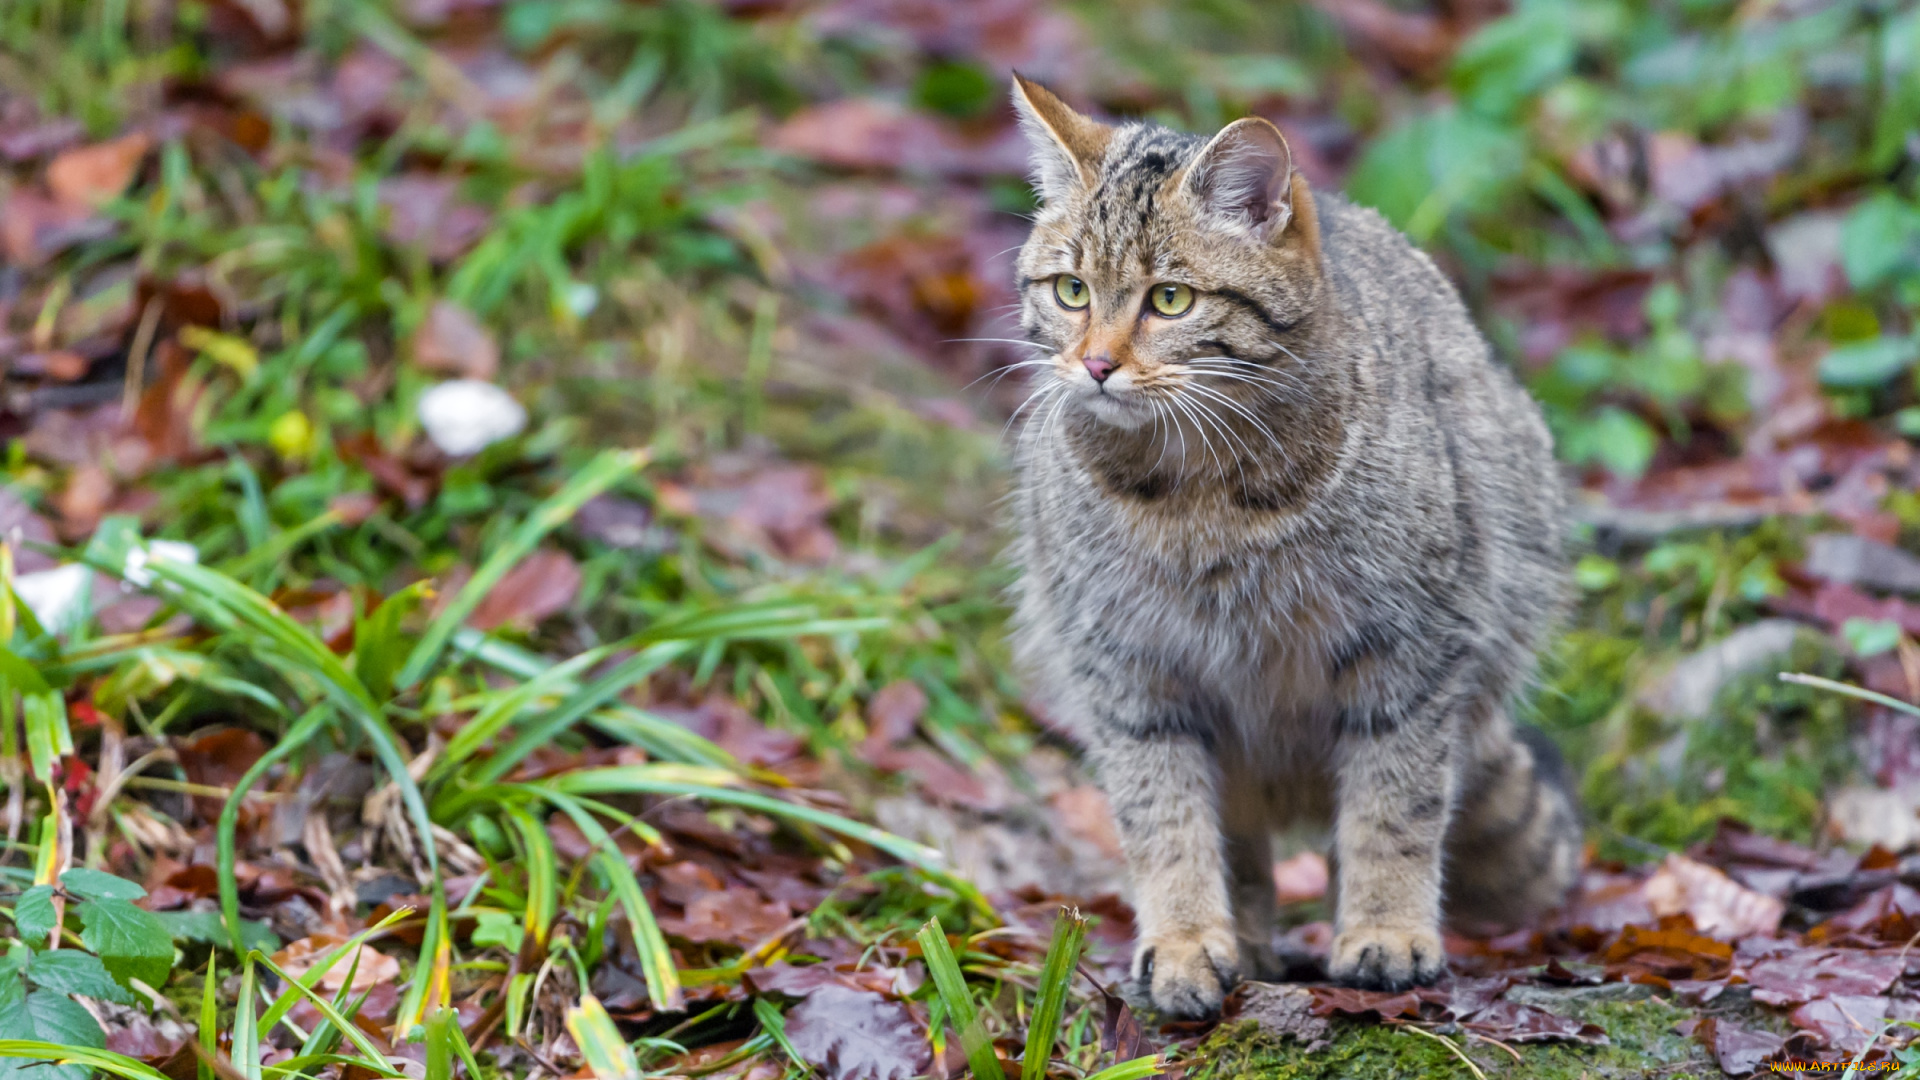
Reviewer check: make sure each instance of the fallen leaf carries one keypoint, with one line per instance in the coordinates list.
(621, 523)
(1719, 906)
(857, 1035)
(1846, 1022)
(1738, 1050)
(451, 341)
(374, 967)
(1511, 1021)
(34, 228)
(894, 713)
(541, 585)
(722, 721)
(88, 176)
(219, 759)
(1085, 813)
(734, 915)
(1805, 974)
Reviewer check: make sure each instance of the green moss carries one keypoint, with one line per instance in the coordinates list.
(1640, 1034)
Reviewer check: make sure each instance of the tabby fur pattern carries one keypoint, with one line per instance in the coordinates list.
(1288, 561)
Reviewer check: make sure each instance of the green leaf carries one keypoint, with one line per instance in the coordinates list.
(45, 1016)
(1867, 363)
(98, 885)
(71, 971)
(205, 928)
(1425, 168)
(1880, 236)
(951, 985)
(129, 941)
(33, 914)
(498, 928)
(1871, 637)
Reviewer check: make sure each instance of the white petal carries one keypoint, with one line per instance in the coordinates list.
(465, 416)
(56, 597)
(135, 569)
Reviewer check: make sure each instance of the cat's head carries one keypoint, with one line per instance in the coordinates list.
(1165, 271)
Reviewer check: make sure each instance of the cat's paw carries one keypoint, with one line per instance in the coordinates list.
(1187, 977)
(1387, 958)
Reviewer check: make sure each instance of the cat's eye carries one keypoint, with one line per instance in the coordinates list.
(1071, 292)
(1170, 298)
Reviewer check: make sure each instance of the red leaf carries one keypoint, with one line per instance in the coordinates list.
(1806, 974)
(88, 176)
(894, 713)
(543, 584)
(451, 340)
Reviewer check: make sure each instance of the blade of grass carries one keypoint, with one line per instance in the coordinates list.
(607, 469)
(245, 1042)
(1056, 978)
(296, 738)
(218, 600)
(775, 1024)
(374, 1060)
(1850, 691)
(952, 987)
(104, 1060)
(1138, 1069)
(650, 780)
(600, 1042)
(543, 876)
(209, 1033)
(656, 961)
(583, 701)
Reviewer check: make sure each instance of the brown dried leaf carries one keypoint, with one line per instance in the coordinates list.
(1719, 906)
(87, 176)
(1806, 974)
(734, 915)
(541, 585)
(894, 713)
(375, 967)
(452, 341)
(857, 1035)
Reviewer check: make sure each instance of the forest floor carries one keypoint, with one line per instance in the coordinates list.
(499, 511)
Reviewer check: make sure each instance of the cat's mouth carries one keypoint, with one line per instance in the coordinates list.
(1122, 406)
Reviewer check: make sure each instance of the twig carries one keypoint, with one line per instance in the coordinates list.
(1450, 1045)
(1490, 1039)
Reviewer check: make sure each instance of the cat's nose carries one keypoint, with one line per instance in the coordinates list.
(1099, 366)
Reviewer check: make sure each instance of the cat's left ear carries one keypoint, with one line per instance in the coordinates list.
(1245, 175)
(1066, 146)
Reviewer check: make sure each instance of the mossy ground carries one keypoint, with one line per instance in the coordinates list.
(1641, 1043)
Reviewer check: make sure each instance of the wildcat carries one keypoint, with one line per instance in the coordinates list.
(1288, 540)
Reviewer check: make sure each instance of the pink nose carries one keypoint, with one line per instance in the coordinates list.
(1099, 367)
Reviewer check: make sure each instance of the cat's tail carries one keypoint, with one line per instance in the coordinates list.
(1514, 845)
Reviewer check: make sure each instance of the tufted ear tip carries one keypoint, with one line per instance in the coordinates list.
(1066, 147)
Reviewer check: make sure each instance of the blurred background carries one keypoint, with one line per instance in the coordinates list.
(336, 293)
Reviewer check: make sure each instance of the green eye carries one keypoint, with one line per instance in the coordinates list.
(1171, 298)
(1071, 291)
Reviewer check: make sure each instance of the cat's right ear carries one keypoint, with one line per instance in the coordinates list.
(1066, 146)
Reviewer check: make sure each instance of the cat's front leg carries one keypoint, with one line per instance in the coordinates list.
(1395, 797)
(1163, 784)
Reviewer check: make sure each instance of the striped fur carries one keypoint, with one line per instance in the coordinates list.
(1288, 563)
